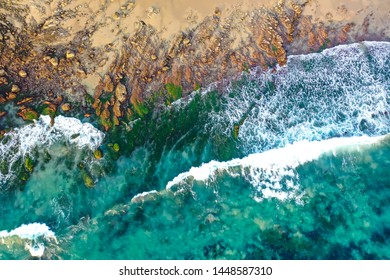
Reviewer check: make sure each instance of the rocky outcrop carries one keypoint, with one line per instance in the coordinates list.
(45, 61)
(27, 114)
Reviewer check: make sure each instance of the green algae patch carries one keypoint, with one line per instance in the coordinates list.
(197, 86)
(140, 108)
(24, 176)
(29, 164)
(4, 167)
(116, 147)
(106, 123)
(89, 99)
(30, 115)
(49, 111)
(173, 92)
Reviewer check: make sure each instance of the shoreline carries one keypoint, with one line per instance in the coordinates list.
(118, 80)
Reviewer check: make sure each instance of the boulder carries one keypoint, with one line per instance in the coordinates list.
(22, 73)
(108, 86)
(65, 107)
(15, 88)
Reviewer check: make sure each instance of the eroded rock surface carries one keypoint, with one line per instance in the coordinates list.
(110, 57)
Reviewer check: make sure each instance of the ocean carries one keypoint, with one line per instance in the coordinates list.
(291, 163)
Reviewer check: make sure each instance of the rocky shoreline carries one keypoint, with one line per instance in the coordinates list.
(46, 69)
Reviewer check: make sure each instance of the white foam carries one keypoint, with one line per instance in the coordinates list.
(24, 140)
(141, 197)
(36, 250)
(345, 93)
(268, 171)
(31, 233)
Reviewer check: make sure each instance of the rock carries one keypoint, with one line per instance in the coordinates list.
(58, 100)
(3, 81)
(25, 100)
(11, 96)
(217, 12)
(54, 61)
(117, 110)
(15, 88)
(2, 99)
(69, 54)
(27, 114)
(105, 119)
(117, 16)
(65, 107)
(2, 114)
(98, 154)
(120, 93)
(120, 97)
(88, 181)
(81, 73)
(29, 164)
(188, 74)
(2, 72)
(153, 57)
(22, 74)
(108, 86)
(50, 109)
(116, 147)
(115, 120)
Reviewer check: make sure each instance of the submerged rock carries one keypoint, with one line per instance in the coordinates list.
(29, 164)
(27, 114)
(116, 147)
(98, 154)
(88, 181)
(65, 107)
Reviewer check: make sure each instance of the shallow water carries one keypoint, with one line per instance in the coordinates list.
(303, 175)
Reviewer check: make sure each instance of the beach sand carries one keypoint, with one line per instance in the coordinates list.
(374, 14)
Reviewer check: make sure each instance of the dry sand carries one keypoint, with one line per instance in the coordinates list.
(115, 19)
(375, 14)
(122, 17)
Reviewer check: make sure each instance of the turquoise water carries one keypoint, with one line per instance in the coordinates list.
(288, 164)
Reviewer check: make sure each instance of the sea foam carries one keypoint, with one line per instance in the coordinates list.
(30, 233)
(340, 92)
(273, 172)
